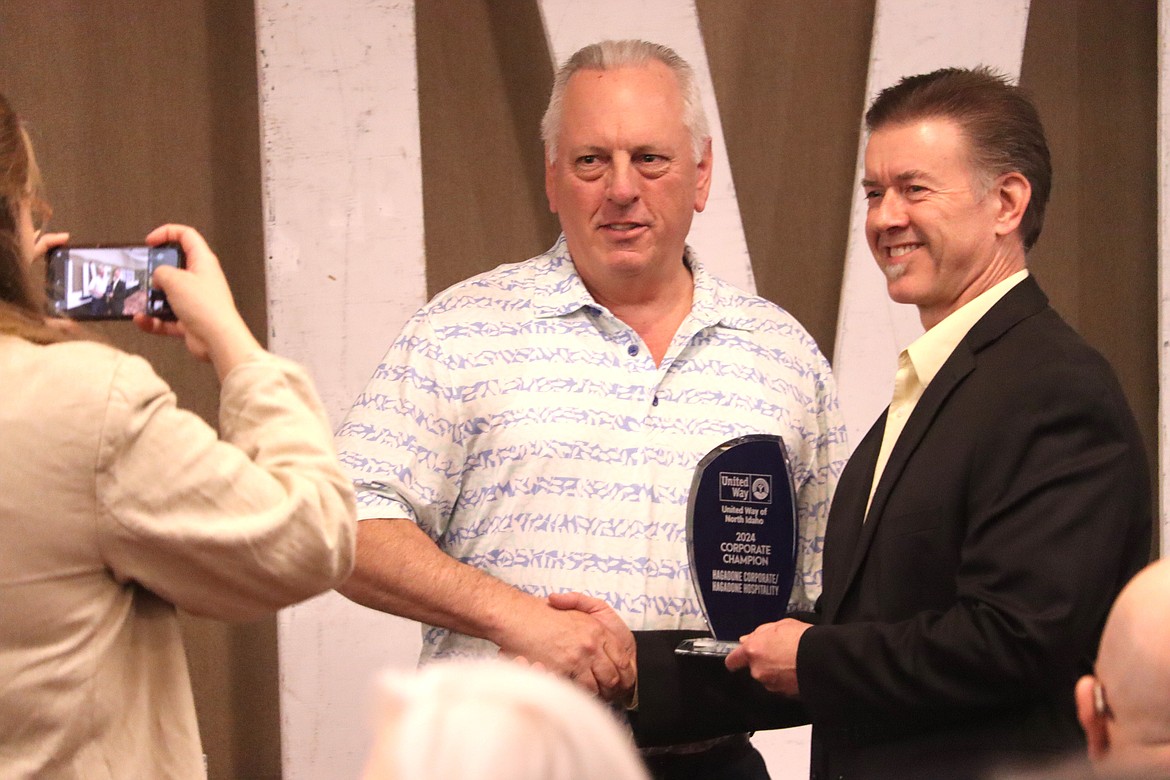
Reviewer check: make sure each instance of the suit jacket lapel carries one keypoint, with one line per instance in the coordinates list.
(1022, 301)
(960, 363)
(845, 518)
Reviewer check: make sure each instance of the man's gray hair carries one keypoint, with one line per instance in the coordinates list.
(610, 55)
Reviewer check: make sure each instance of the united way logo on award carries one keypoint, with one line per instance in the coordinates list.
(741, 539)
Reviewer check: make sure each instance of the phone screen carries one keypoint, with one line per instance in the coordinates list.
(108, 282)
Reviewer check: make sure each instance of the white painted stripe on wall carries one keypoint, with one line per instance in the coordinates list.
(717, 233)
(909, 37)
(343, 220)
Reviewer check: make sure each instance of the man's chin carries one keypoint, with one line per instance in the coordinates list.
(893, 272)
(627, 262)
(900, 291)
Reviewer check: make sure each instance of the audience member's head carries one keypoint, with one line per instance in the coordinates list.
(495, 720)
(1124, 707)
(22, 211)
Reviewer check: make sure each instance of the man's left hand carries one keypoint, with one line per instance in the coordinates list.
(770, 653)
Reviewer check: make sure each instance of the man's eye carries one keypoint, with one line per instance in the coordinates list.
(652, 165)
(872, 195)
(916, 189)
(589, 166)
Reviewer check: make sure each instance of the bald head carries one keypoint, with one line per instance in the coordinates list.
(1125, 707)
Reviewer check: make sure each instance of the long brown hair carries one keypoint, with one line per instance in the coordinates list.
(22, 300)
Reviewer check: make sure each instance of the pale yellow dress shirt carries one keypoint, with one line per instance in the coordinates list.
(920, 362)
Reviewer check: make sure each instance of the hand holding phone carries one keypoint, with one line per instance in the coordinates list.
(208, 320)
(109, 282)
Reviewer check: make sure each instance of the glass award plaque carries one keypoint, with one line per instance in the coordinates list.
(741, 539)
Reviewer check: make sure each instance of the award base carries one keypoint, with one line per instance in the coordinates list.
(706, 646)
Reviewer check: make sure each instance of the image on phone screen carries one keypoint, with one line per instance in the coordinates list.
(108, 282)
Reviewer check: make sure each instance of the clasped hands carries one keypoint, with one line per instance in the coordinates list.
(581, 638)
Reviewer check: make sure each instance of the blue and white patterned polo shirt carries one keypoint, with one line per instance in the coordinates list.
(528, 431)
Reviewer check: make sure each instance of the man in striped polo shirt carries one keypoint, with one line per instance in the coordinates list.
(524, 453)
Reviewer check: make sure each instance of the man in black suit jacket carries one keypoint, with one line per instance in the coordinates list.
(985, 523)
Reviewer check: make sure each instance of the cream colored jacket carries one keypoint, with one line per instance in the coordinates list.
(116, 507)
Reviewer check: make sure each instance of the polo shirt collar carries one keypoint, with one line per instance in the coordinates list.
(559, 291)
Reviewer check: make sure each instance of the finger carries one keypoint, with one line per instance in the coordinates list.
(193, 243)
(48, 241)
(620, 655)
(737, 659)
(582, 678)
(588, 682)
(157, 327)
(164, 275)
(629, 676)
(147, 324)
(605, 672)
(573, 600)
(595, 608)
(186, 235)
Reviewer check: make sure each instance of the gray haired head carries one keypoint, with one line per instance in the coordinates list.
(611, 55)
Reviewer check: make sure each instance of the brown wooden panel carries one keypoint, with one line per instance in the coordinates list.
(144, 113)
(484, 77)
(790, 80)
(1092, 67)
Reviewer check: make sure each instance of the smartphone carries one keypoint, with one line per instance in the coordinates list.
(109, 282)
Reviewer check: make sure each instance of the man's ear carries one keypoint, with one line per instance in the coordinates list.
(703, 180)
(1013, 193)
(1093, 715)
(549, 190)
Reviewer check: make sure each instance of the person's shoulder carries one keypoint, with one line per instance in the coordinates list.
(1043, 363)
(77, 357)
(1024, 320)
(79, 374)
(750, 305)
(764, 318)
(1044, 344)
(512, 282)
(102, 364)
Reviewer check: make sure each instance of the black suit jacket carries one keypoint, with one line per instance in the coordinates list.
(956, 619)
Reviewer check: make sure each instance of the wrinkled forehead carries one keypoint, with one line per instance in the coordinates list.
(627, 105)
(920, 146)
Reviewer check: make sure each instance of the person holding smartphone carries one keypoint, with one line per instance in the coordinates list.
(118, 507)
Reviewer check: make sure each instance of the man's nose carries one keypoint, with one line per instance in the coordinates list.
(623, 182)
(888, 212)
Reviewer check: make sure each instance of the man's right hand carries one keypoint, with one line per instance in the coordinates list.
(400, 570)
(581, 638)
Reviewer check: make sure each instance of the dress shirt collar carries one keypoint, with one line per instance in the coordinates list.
(930, 350)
